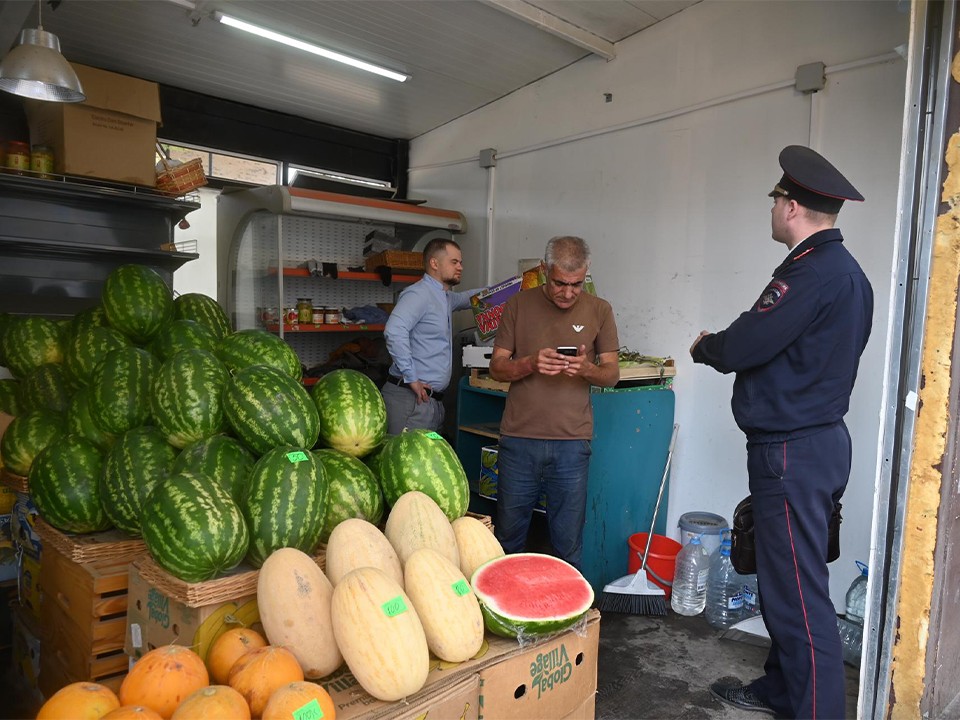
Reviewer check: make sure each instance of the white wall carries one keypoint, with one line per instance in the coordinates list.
(668, 183)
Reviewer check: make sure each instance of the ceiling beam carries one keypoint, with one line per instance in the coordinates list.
(555, 26)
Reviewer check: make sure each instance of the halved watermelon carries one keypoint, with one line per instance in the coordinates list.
(529, 594)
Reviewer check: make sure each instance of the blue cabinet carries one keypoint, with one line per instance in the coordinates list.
(631, 434)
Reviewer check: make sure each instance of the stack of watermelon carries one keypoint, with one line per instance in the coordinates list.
(148, 414)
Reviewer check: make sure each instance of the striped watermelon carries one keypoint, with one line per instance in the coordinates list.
(45, 388)
(284, 502)
(10, 396)
(137, 302)
(187, 400)
(30, 342)
(266, 408)
(529, 594)
(353, 417)
(64, 482)
(138, 460)
(192, 528)
(6, 319)
(122, 385)
(179, 335)
(87, 348)
(87, 319)
(354, 491)
(245, 348)
(221, 458)
(204, 310)
(424, 461)
(80, 421)
(26, 437)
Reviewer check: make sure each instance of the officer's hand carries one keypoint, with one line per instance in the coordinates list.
(550, 362)
(703, 333)
(420, 390)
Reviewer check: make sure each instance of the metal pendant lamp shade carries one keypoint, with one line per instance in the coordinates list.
(36, 69)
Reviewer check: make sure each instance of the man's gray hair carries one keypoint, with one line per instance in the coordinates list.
(567, 252)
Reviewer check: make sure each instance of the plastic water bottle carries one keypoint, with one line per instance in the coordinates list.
(851, 639)
(724, 605)
(857, 596)
(690, 579)
(751, 596)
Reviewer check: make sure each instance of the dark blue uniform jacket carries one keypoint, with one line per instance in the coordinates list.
(796, 351)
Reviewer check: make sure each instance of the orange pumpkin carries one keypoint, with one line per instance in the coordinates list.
(79, 701)
(258, 674)
(132, 712)
(228, 648)
(217, 702)
(163, 678)
(286, 700)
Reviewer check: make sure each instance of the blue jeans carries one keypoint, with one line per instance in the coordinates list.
(560, 467)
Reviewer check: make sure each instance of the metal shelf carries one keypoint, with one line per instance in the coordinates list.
(326, 328)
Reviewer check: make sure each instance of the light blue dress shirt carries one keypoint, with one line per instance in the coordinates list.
(419, 332)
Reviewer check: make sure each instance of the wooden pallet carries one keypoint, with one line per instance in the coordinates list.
(84, 618)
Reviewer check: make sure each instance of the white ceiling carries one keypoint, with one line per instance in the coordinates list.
(462, 54)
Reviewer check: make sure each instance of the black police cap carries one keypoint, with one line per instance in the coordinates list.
(812, 181)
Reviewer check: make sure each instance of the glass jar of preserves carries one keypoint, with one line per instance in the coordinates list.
(331, 316)
(41, 160)
(18, 157)
(318, 315)
(305, 310)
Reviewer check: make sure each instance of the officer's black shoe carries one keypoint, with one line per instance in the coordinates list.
(733, 692)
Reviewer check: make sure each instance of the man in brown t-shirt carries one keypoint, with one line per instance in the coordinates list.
(546, 428)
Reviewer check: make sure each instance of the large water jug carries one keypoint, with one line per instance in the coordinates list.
(857, 596)
(690, 579)
(724, 603)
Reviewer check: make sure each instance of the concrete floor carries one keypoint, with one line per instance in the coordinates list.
(661, 668)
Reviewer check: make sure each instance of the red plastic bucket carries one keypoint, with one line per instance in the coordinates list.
(662, 560)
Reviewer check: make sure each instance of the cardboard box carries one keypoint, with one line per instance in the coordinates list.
(155, 619)
(23, 526)
(112, 135)
(545, 681)
(490, 475)
(453, 696)
(451, 692)
(586, 711)
(29, 585)
(26, 654)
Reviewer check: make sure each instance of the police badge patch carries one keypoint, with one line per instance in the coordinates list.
(773, 294)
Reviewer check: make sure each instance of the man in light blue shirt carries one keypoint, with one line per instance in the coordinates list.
(419, 337)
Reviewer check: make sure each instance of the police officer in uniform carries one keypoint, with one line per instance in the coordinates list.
(795, 354)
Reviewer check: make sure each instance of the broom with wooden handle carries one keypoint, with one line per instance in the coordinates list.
(636, 594)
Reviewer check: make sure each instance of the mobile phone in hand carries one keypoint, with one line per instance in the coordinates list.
(567, 350)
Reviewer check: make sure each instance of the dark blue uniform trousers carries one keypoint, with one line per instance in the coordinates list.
(794, 484)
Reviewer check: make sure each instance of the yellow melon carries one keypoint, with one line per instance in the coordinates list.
(356, 543)
(294, 597)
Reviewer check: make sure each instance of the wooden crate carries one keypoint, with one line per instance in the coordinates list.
(84, 618)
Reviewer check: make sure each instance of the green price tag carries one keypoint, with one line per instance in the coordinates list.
(433, 436)
(362, 327)
(461, 588)
(296, 457)
(392, 608)
(310, 711)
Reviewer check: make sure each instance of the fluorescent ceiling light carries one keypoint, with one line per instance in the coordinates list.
(307, 47)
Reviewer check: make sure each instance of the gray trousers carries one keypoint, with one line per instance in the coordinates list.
(403, 411)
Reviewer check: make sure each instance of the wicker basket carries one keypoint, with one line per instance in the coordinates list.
(180, 179)
(396, 259)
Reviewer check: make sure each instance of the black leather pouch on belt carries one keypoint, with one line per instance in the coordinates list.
(743, 550)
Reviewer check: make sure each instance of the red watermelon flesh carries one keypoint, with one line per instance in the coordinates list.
(530, 594)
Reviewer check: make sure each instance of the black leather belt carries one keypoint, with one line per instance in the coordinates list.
(435, 394)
